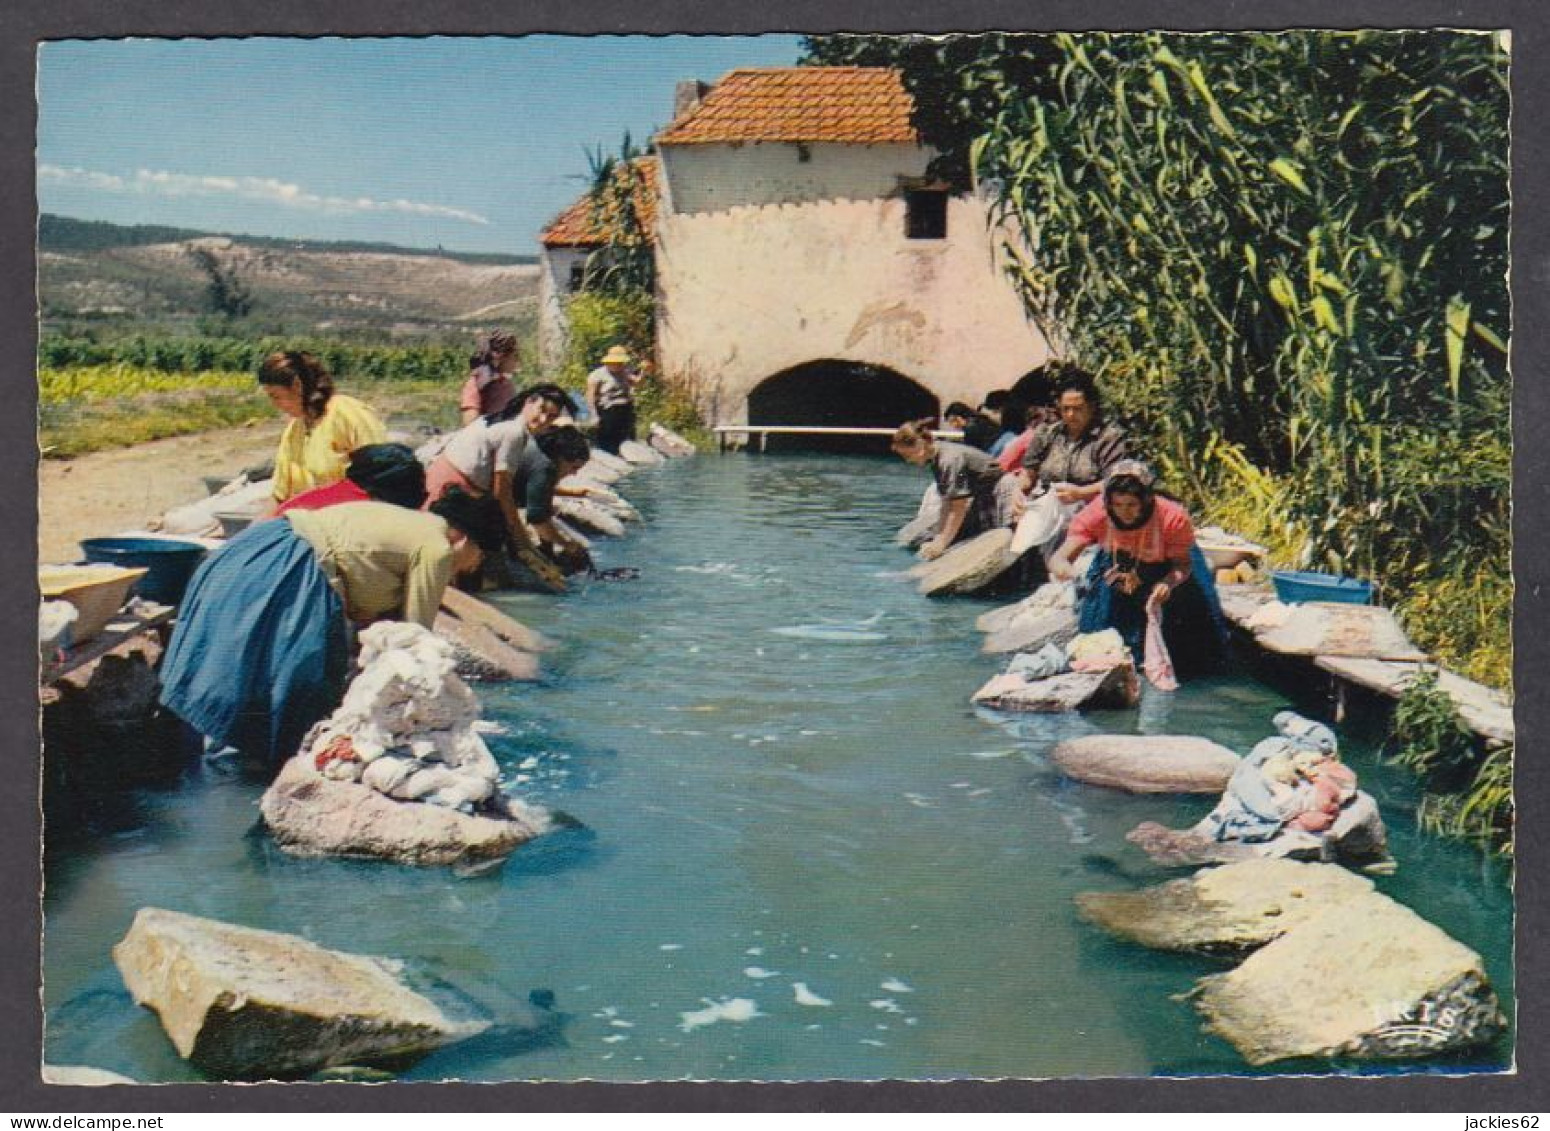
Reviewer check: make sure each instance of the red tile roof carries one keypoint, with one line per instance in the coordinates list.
(580, 226)
(856, 105)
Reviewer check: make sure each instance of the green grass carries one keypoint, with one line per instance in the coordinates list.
(104, 407)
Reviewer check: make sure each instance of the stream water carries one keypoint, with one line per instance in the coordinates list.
(800, 853)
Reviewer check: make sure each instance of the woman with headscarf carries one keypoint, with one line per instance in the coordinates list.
(389, 473)
(324, 427)
(965, 480)
(261, 647)
(489, 388)
(1147, 561)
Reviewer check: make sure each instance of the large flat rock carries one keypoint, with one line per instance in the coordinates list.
(668, 442)
(247, 1004)
(310, 815)
(1320, 628)
(483, 655)
(618, 465)
(1147, 763)
(967, 566)
(641, 455)
(1070, 691)
(589, 516)
(1225, 910)
(1031, 631)
(1370, 979)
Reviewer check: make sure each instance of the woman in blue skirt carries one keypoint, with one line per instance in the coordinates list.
(260, 651)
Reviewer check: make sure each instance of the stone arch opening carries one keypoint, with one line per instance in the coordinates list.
(837, 394)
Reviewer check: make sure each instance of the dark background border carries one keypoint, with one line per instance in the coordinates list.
(23, 23)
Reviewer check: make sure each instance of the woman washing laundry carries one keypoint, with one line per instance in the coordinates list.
(489, 455)
(966, 480)
(324, 428)
(261, 647)
(1147, 561)
(489, 388)
(389, 473)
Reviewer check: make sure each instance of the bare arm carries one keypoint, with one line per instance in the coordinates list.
(1062, 567)
(514, 528)
(552, 535)
(954, 511)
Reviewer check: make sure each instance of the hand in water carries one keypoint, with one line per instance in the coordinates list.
(545, 570)
(931, 551)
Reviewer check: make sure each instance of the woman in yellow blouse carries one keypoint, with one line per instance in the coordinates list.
(325, 426)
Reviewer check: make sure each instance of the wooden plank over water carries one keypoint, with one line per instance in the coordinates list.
(1483, 710)
(1240, 602)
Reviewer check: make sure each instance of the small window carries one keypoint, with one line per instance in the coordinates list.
(925, 214)
(578, 275)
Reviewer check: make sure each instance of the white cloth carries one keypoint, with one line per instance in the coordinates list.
(410, 721)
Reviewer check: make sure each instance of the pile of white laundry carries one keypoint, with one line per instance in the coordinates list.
(406, 726)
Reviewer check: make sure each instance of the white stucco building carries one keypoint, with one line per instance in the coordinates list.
(808, 271)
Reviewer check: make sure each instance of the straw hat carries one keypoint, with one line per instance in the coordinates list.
(616, 355)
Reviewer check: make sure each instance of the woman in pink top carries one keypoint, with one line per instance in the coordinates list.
(1147, 558)
(489, 388)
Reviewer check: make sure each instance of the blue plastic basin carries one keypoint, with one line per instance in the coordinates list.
(1296, 585)
(170, 563)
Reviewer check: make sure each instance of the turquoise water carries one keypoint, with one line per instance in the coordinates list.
(776, 818)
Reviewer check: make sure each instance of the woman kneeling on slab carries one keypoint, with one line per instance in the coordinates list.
(261, 648)
(966, 479)
(1147, 559)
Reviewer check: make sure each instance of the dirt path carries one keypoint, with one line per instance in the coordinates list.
(106, 492)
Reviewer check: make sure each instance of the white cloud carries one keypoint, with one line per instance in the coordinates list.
(160, 183)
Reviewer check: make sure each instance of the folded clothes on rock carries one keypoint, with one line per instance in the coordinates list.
(1047, 661)
(406, 727)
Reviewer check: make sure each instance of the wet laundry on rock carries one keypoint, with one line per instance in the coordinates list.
(406, 725)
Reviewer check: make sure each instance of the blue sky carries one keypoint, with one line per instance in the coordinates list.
(472, 144)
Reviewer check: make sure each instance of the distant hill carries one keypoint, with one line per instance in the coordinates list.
(112, 280)
(65, 233)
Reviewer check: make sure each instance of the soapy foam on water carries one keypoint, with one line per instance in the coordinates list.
(805, 996)
(738, 1009)
(758, 972)
(896, 986)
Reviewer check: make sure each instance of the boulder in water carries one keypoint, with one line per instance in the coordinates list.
(1032, 631)
(1226, 910)
(609, 462)
(483, 655)
(1142, 763)
(668, 442)
(588, 515)
(247, 1004)
(1368, 979)
(641, 455)
(967, 566)
(594, 472)
(310, 815)
(1117, 687)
